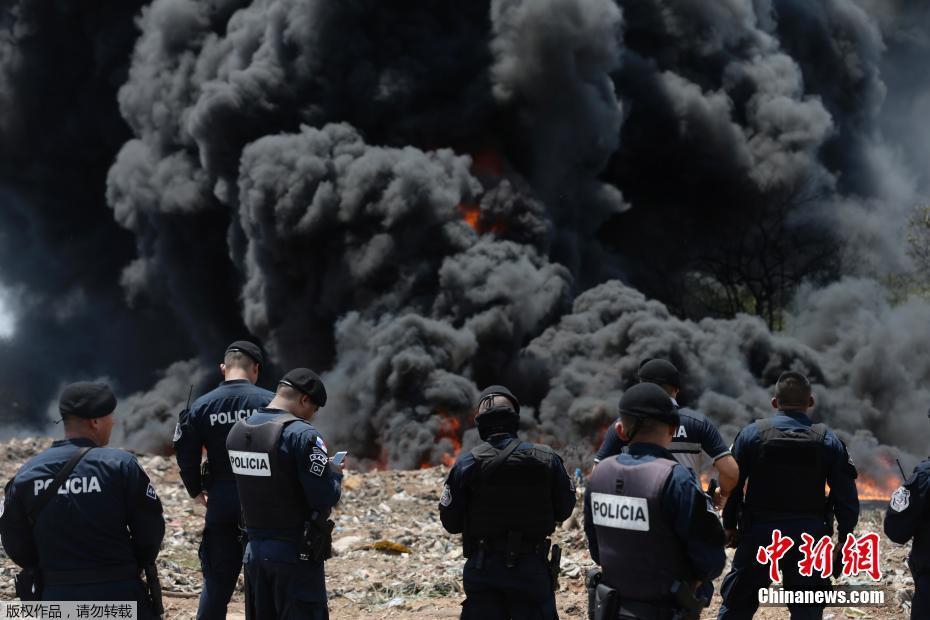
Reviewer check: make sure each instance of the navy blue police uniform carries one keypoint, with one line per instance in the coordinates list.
(648, 523)
(114, 518)
(492, 589)
(281, 491)
(697, 442)
(206, 425)
(908, 517)
(787, 494)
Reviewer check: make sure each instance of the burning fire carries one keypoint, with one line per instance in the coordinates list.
(450, 428)
(877, 489)
(870, 488)
(471, 213)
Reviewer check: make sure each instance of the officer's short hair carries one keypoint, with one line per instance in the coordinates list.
(238, 359)
(286, 391)
(793, 390)
(642, 425)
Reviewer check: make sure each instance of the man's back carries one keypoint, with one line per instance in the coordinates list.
(465, 481)
(696, 444)
(113, 514)
(649, 524)
(837, 471)
(207, 424)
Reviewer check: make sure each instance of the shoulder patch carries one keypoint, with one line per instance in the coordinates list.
(177, 431)
(150, 492)
(900, 500)
(321, 444)
(446, 497)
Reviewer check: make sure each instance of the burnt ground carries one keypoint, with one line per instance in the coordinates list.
(394, 560)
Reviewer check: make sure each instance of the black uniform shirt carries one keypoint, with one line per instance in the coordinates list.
(106, 513)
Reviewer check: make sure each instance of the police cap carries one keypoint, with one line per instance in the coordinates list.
(250, 349)
(87, 400)
(306, 381)
(660, 372)
(499, 390)
(648, 400)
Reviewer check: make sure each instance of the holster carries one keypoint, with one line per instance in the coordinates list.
(555, 564)
(606, 602)
(592, 578)
(153, 584)
(28, 584)
(689, 605)
(316, 543)
(206, 478)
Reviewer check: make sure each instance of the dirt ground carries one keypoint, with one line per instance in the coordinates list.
(394, 560)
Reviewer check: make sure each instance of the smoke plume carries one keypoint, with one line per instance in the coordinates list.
(420, 201)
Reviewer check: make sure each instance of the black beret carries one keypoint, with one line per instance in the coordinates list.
(87, 400)
(648, 400)
(244, 346)
(308, 382)
(661, 372)
(500, 390)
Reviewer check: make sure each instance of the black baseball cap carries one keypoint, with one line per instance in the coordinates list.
(648, 400)
(660, 372)
(250, 349)
(308, 382)
(87, 400)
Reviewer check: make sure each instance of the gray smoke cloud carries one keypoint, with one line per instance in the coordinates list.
(419, 201)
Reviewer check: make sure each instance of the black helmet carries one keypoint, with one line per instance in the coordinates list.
(660, 372)
(499, 390)
(648, 400)
(499, 419)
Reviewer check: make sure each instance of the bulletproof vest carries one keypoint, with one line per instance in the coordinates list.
(641, 555)
(269, 491)
(517, 497)
(790, 471)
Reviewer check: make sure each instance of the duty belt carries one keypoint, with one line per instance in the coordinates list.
(90, 575)
(525, 546)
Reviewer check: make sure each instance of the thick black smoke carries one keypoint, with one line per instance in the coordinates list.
(422, 200)
(61, 253)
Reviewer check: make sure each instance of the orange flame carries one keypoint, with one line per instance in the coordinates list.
(877, 488)
(470, 213)
(450, 428)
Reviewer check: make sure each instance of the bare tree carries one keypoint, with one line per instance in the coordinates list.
(758, 262)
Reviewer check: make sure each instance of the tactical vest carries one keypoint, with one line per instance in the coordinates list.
(790, 471)
(641, 555)
(269, 491)
(517, 497)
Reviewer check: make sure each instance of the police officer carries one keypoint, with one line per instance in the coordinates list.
(205, 425)
(287, 487)
(114, 517)
(786, 460)
(908, 517)
(649, 525)
(697, 442)
(505, 498)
